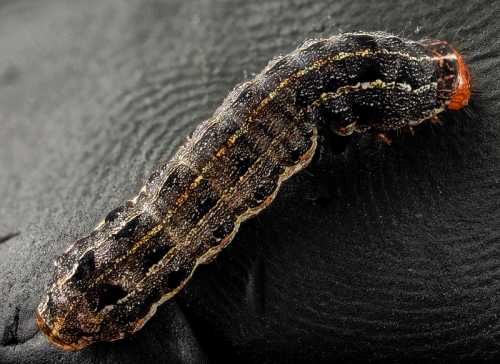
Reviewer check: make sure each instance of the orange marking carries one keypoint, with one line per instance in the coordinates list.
(462, 92)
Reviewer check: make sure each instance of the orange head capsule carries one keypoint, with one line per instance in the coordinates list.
(453, 75)
(462, 88)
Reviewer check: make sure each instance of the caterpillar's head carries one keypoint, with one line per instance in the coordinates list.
(454, 85)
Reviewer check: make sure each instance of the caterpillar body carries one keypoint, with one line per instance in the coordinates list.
(109, 283)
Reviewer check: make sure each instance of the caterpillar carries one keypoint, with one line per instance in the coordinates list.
(108, 284)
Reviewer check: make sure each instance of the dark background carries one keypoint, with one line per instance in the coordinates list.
(393, 255)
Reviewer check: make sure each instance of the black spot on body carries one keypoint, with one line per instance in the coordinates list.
(243, 155)
(367, 114)
(311, 86)
(243, 163)
(266, 186)
(369, 71)
(261, 194)
(223, 230)
(155, 255)
(178, 180)
(296, 153)
(263, 191)
(366, 41)
(105, 295)
(176, 277)
(296, 145)
(86, 265)
(204, 198)
(205, 205)
(277, 171)
(129, 229)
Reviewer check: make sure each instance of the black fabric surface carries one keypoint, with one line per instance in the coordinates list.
(393, 255)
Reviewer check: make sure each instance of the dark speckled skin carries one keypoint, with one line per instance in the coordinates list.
(108, 284)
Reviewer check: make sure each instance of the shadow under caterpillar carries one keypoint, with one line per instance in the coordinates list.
(108, 284)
